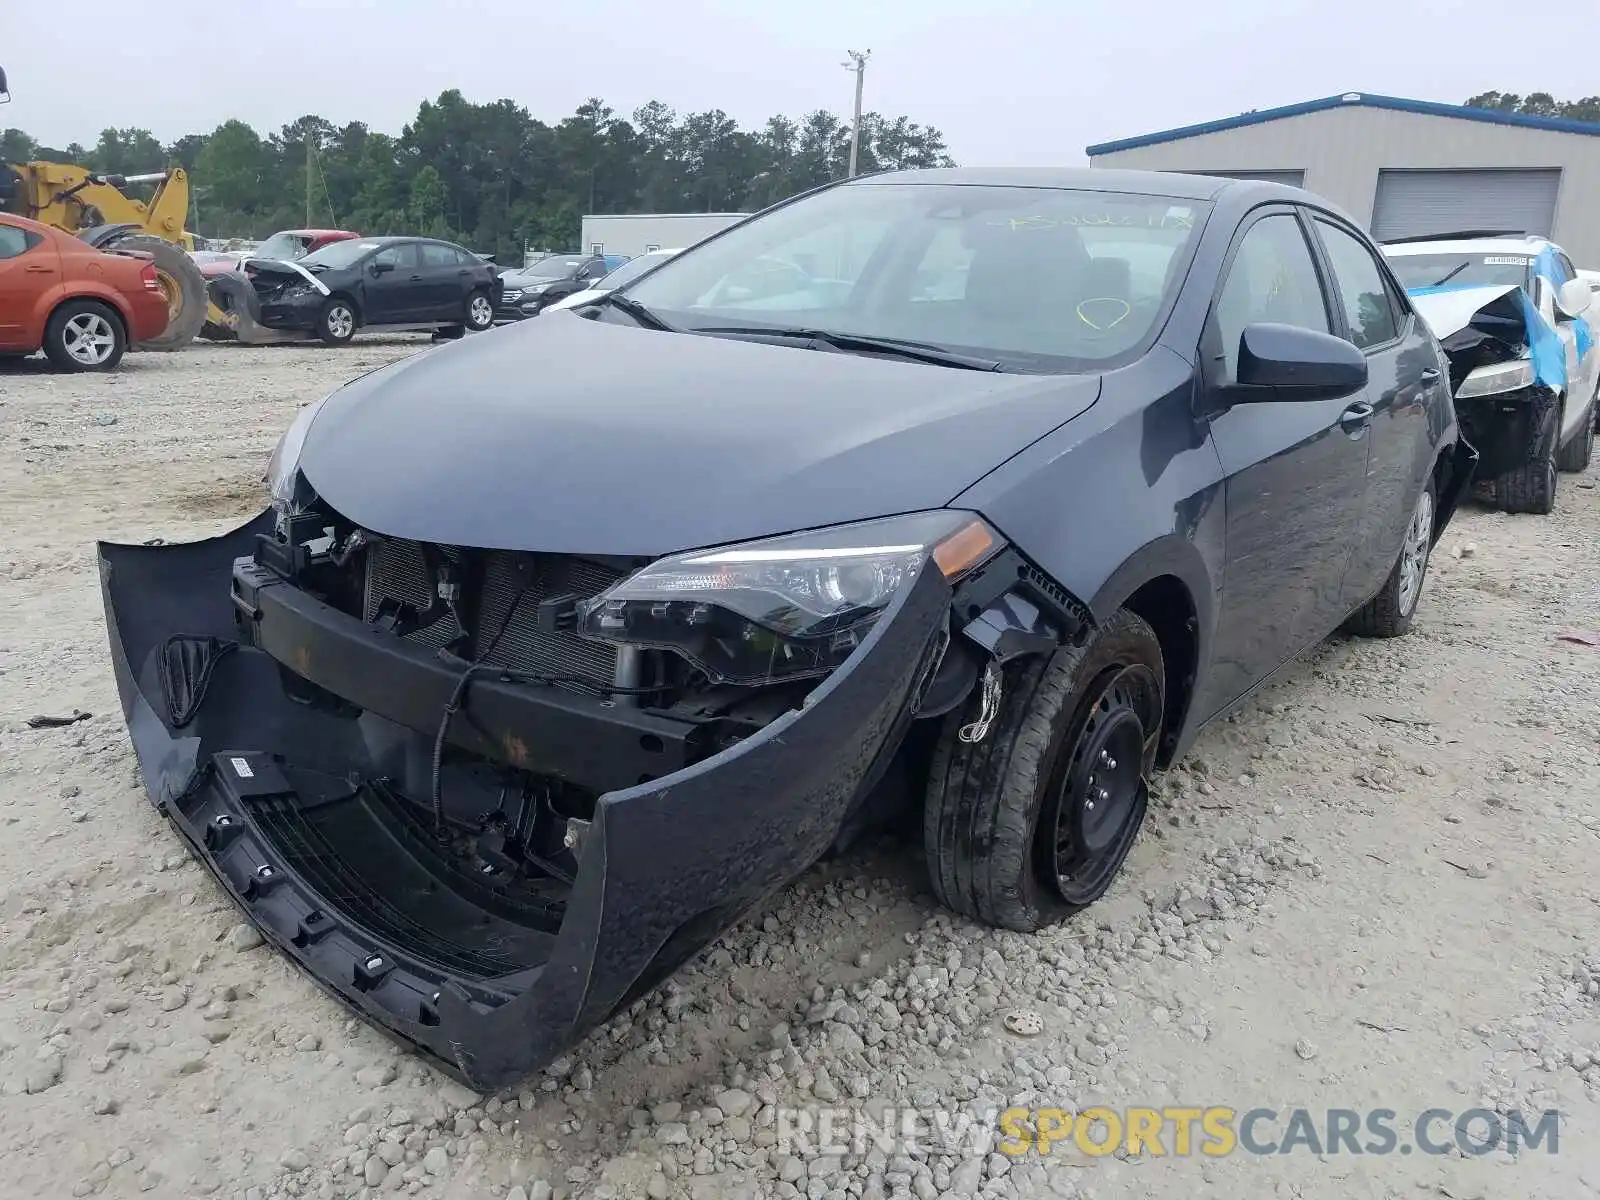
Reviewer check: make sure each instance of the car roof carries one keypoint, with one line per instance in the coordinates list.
(1530, 246)
(1094, 179)
(31, 225)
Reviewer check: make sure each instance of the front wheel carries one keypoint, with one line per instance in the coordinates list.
(480, 312)
(1531, 488)
(337, 323)
(1393, 610)
(1032, 822)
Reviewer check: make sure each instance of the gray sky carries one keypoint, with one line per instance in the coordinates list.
(1008, 81)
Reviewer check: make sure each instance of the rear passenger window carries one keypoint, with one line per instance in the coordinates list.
(1272, 279)
(14, 241)
(1359, 285)
(435, 255)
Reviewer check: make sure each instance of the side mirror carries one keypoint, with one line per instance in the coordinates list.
(382, 268)
(1287, 362)
(5, 93)
(1574, 298)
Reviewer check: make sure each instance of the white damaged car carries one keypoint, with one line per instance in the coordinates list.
(1518, 325)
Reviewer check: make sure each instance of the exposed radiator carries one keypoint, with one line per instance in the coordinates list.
(397, 570)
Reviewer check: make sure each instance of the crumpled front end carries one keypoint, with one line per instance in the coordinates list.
(1508, 370)
(490, 868)
(250, 301)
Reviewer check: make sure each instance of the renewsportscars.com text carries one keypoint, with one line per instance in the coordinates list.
(1211, 1131)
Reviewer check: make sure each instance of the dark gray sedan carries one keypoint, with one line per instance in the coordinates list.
(559, 650)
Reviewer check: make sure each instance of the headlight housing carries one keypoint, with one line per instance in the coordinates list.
(283, 472)
(1496, 378)
(784, 608)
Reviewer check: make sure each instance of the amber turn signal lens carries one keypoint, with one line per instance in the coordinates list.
(964, 549)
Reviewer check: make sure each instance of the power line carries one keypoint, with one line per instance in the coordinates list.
(858, 64)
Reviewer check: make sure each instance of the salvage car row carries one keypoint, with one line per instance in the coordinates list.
(975, 492)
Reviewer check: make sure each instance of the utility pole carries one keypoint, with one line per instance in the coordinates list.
(310, 151)
(858, 64)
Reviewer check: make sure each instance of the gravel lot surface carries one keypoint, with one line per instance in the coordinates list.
(1373, 888)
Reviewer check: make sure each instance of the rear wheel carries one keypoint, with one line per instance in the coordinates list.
(480, 312)
(84, 335)
(336, 324)
(1033, 821)
(1531, 488)
(1391, 612)
(183, 285)
(1575, 455)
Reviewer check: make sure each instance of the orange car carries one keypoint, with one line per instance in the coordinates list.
(81, 306)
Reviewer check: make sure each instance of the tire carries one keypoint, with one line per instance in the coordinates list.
(1531, 488)
(1393, 610)
(183, 283)
(336, 323)
(85, 335)
(1575, 455)
(480, 312)
(993, 807)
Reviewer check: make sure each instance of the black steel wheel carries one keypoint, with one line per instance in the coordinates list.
(1033, 820)
(1096, 797)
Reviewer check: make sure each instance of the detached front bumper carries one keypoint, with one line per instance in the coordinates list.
(264, 784)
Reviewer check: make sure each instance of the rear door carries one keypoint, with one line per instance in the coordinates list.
(393, 282)
(29, 266)
(1404, 376)
(1295, 470)
(444, 280)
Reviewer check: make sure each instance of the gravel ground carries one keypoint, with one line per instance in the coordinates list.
(1373, 888)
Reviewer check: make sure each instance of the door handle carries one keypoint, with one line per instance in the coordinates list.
(1356, 419)
(39, 269)
(415, 277)
(1430, 375)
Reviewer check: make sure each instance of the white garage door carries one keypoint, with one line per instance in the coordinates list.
(1412, 203)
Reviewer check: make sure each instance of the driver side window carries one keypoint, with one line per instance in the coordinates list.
(1272, 278)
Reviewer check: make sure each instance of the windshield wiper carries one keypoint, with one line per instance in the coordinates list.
(1450, 275)
(854, 342)
(635, 310)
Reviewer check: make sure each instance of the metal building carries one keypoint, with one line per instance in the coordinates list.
(636, 233)
(1405, 167)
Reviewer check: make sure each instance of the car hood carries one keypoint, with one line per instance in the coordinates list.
(1448, 310)
(522, 279)
(576, 436)
(578, 299)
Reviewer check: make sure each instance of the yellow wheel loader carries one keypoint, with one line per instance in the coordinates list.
(96, 209)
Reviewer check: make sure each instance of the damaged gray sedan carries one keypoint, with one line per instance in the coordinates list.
(528, 684)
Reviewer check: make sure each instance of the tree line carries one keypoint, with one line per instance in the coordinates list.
(492, 176)
(1539, 104)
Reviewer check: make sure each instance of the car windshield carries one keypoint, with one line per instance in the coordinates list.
(1036, 278)
(1460, 270)
(632, 269)
(338, 255)
(558, 267)
(283, 247)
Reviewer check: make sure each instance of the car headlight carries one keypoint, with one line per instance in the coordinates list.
(783, 608)
(284, 470)
(1496, 378)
